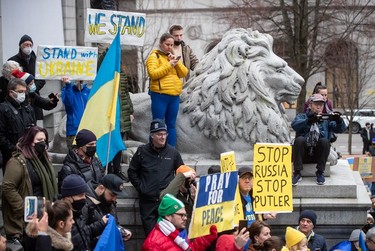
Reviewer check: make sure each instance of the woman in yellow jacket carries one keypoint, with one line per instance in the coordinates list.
(166, 71)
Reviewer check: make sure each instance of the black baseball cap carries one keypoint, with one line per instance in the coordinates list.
(114, 183)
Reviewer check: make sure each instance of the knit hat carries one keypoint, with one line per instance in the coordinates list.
(73, 184)
(308, 214)
(84, 137)
(113, 183)
(293, 237)
(245, 169)
(157, 125)
(169, 205)
(354, 236)
(28, 78)
(25, 38)
(184, 169)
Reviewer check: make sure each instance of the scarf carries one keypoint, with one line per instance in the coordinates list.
(313, 137)
(180, 238)
(46, 175)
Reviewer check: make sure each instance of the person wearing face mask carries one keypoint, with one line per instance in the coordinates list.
(101, 201)
(81, 159)
(180, 48)
(29, 173)
(16, 115)
(75, 95)
(34, 98)
(27, 58)
(73, 190)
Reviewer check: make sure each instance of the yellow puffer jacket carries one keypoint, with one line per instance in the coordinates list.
(164, 77)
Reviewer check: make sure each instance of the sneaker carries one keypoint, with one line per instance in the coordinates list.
(122, 176)
(320, 179)
(297, 177)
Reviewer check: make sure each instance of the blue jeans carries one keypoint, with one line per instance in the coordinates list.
(165, 107)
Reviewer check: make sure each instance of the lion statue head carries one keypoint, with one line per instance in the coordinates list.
(237, 90)
(232, 100)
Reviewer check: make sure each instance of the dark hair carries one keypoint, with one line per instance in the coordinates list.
(25, 142)
(14, 82)
(274, 242)
(175, 27)
(214, 169)
(164, 37)
(58, 211)
(319, 86)
(256, 228)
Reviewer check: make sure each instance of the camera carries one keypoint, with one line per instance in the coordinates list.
(326, 116)
(188, 182)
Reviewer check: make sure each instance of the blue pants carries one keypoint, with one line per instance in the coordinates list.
(165, 107)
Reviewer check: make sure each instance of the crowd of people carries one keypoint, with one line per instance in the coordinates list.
(80, 198)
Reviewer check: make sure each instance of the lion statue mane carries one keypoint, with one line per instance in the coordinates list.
(232, 100)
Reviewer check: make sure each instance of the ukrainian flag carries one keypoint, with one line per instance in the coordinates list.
(102, 113)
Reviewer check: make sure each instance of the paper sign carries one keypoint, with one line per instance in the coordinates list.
(101, 26)
(272, 170)
(54, 62)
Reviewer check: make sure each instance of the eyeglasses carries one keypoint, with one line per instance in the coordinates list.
(161, 134)
(181, 215)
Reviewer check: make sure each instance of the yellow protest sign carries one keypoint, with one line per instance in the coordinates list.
(272, 170)
(228, 164)
(214, 203)
(364, 167)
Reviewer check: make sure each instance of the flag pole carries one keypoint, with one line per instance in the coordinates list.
(108, 149)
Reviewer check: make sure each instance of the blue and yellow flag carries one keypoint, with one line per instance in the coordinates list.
(111, 237)
(102, 113)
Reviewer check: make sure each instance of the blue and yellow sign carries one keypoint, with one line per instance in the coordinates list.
(214, 203)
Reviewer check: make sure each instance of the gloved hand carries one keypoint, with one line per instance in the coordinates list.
(313, 119)
(336, 116)
(213, 234)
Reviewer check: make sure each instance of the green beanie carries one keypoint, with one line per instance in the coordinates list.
(169, 205)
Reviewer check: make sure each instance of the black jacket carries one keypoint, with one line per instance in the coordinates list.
(15, 118)
(316, 241)
(94, 211)
(73, 164)
(29, 67)
(151, 171)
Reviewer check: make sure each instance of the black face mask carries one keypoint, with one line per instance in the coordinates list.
(40, 147)
(177, 42)
(90, 151)
(78, 205)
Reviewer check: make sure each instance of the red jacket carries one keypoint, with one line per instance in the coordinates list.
(226, 243)
(157, 241)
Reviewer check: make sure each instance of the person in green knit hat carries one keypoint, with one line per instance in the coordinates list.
(170, 233)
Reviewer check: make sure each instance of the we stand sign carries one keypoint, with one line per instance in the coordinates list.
(272, 171)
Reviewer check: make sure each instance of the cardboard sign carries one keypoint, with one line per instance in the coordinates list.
(101, 26)
(54, 62)
(272, 170)
(365, 166)
(214, 203)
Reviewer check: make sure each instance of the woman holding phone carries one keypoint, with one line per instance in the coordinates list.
(165, 71)
(29, 173)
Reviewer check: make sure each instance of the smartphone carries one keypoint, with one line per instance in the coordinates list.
(242, 224)
(33, 205)
(178, 57)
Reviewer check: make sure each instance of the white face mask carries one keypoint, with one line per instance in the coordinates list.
(27, 50)
(20, 97)
(32, 88)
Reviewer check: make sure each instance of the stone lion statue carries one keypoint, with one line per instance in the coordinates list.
(233, 99)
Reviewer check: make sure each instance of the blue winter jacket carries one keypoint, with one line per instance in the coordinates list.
(75, 102)
(326, 127)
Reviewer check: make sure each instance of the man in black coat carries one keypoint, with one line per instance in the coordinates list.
(307, 222)
(27, 59)
(151, 170)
